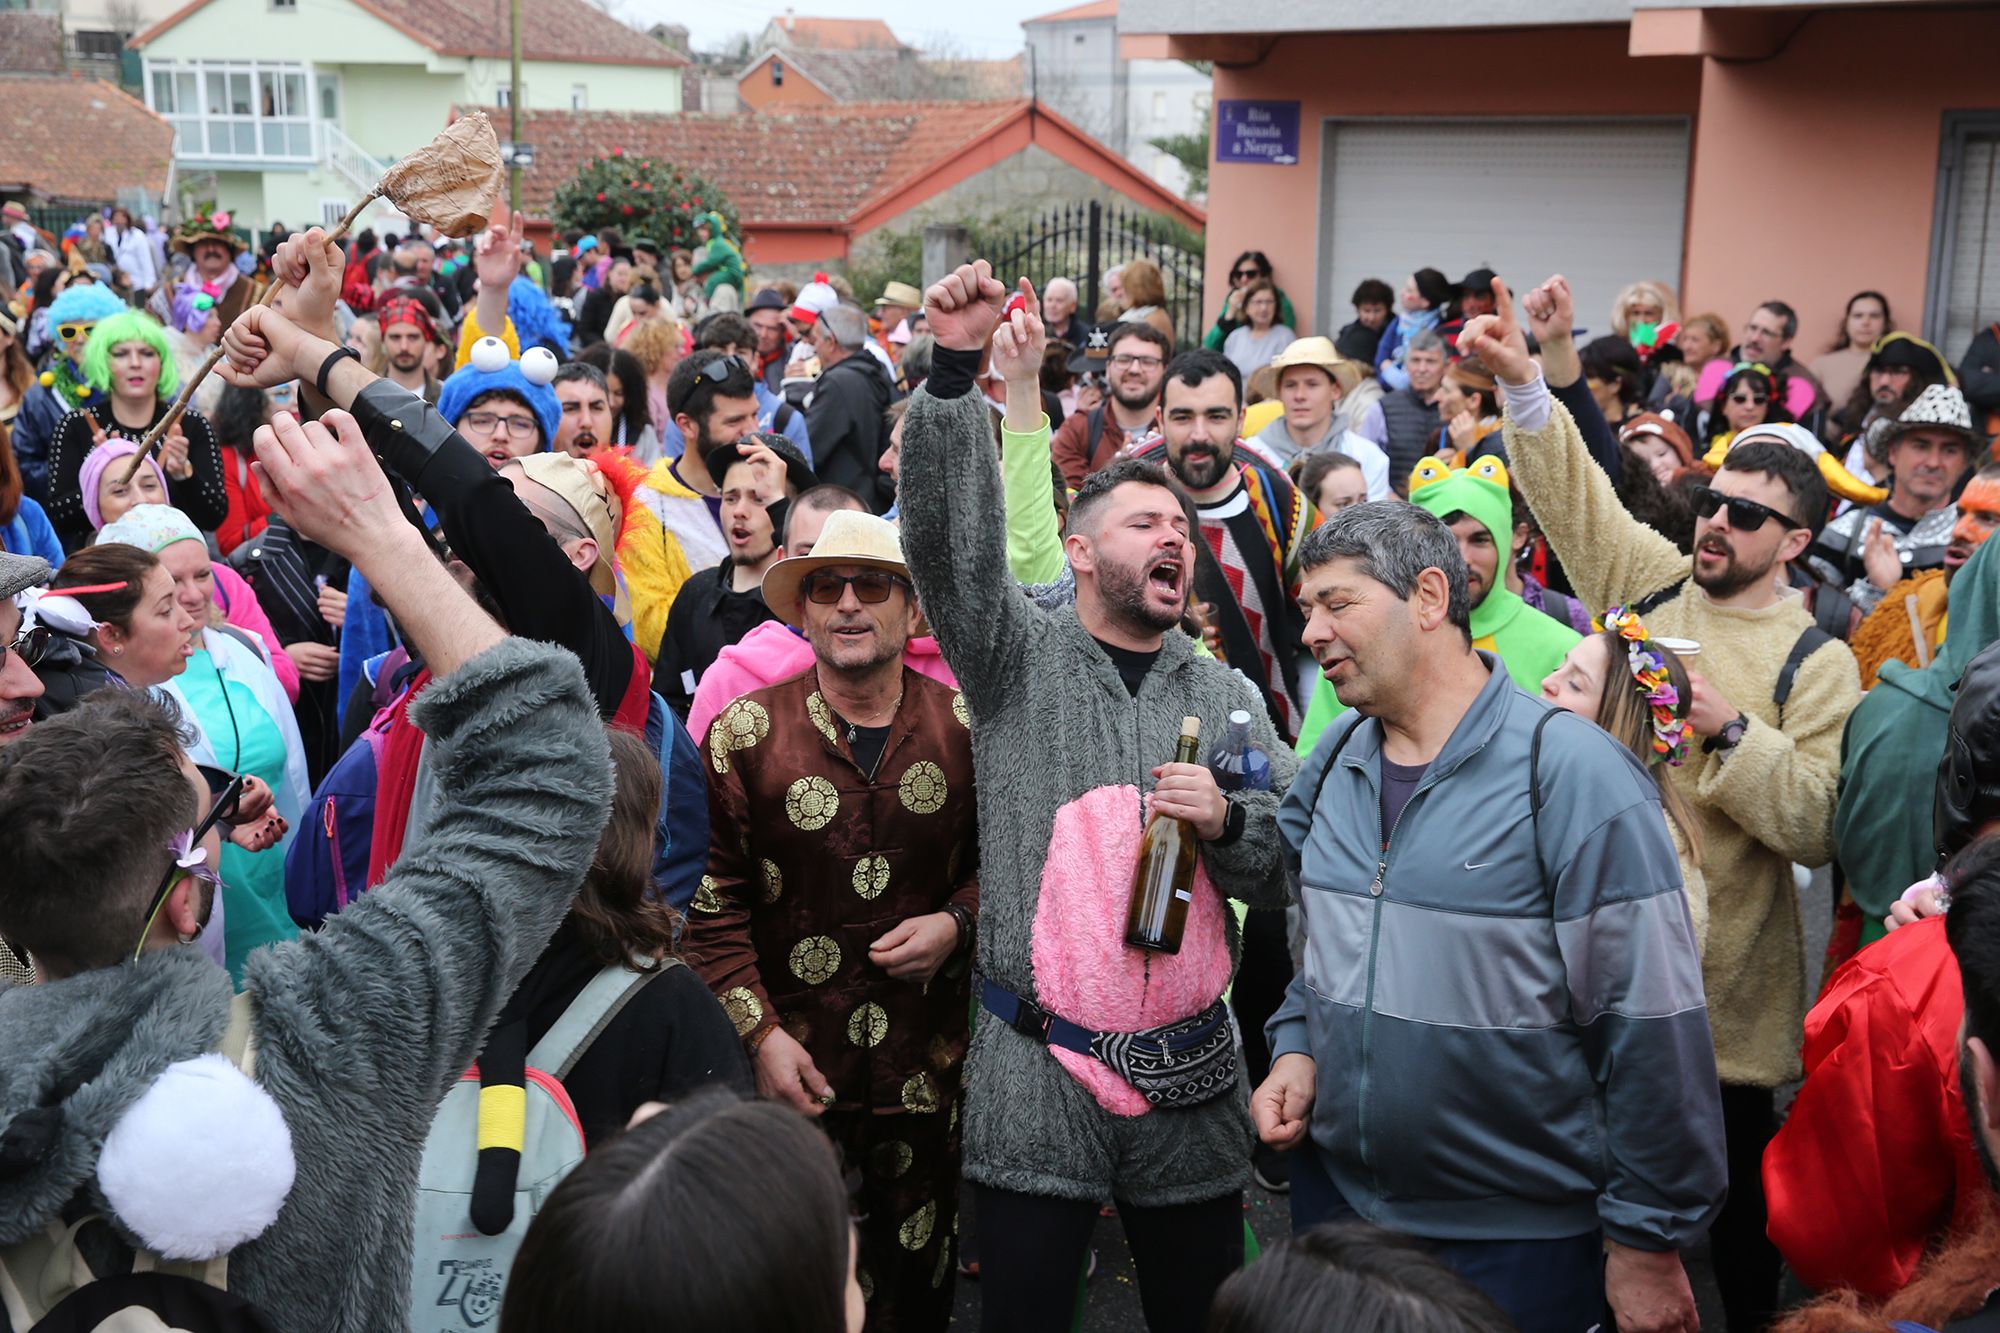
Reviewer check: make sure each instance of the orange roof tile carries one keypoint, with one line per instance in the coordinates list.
(837, 34)
(42, 152)
(1096, 9)
(550, 30)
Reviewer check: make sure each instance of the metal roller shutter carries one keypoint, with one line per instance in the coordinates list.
(1600, 201)
(1965, 293)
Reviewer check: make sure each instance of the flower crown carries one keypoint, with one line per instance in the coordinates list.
(1671, 734)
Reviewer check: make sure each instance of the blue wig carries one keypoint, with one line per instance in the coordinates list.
(84, 303)
(537, 323)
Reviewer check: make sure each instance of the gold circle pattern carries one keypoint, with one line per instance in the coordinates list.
(922, 788)
(738, 727)
(920, 1095)
(871, 876)
(811, 803)
(815, 959)
(774, 882)
(915, 1233)
(868, 1025)
(706, 896)
(745, 1010)
(821, 715)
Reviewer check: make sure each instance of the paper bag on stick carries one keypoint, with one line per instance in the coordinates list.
(451, 183)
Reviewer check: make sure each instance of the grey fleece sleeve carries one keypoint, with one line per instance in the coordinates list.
(373, 1017)
(1627, 945)
(955, 540)
(1252, 867)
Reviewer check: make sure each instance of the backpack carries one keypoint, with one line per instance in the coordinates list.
(327, 865)
(48, 1285)
(1811, 639)
(458, 1270)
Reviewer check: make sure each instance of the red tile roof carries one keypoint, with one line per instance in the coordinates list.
(550, 30)
(43, 150)
(31, 43)
(1096, 9)
(805, 165)
(835, 34)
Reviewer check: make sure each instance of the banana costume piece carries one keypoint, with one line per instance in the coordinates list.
(1839, 480)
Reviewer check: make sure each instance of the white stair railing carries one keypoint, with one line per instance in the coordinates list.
(347, 159)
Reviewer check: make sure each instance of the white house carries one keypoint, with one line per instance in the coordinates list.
(294, 107)
(1073, 64)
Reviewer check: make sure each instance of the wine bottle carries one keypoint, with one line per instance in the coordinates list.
(1163, 880)
(1237, 764)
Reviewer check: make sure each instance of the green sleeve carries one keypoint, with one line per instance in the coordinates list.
(1034, 538)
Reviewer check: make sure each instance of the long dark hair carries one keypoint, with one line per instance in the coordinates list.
(238, 414)
(620, 918)
(11, 485)
(1774, 410)
(1840, 341)
(618, 363)
(1351, 1276)
(731, 1214)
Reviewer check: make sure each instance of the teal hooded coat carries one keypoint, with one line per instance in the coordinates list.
(1894, 743)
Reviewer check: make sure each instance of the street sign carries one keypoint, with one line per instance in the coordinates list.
(1264, 132)
(520, 155)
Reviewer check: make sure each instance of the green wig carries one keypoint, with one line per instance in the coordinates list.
(129, 326)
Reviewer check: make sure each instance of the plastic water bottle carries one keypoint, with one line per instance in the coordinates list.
(1237, 764)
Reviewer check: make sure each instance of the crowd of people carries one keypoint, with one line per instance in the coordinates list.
(565, 787)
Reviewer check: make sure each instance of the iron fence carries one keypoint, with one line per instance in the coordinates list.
(1085, 241)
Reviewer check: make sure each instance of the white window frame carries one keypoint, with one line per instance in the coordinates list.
(579, 97)
(331, 211)
(1958, 127)
(225, 124)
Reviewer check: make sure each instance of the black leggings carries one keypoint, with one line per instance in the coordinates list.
(1746, 1262)
(1032, 1248)
(1261, 981)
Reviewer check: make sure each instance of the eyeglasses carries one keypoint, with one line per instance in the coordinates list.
(1143, 362)
(30, 645)
(485, 423)
(69, 333)
(228, 800)
(871, 588)
(1242, 273)
(1744, 515)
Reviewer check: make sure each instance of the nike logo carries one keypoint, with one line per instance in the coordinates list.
(1481, 866)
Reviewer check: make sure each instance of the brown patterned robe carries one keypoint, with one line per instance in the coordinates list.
(810, 861)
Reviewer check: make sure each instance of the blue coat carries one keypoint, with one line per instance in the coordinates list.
(30, 533)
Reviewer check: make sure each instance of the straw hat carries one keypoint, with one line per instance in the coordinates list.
(590, 496)
(1319, 352)
(849, 538)
(900, 294)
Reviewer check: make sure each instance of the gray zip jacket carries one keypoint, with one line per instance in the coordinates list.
(1511, 1038)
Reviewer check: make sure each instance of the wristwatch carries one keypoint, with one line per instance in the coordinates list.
(1728, 738)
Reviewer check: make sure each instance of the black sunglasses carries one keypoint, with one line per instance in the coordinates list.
(871, 588)
(1744, 515)
(31, 645)
(227, 800)
(1248, 273)
(225, 788)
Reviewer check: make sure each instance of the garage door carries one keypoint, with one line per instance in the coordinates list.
(1599, 201)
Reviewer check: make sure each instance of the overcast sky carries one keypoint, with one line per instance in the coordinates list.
(988, 28)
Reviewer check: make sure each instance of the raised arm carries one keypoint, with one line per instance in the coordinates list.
(1034, 537)
(1610, 556)
(404, 983)
(1551, 314)
(539, 592)
(954, 536)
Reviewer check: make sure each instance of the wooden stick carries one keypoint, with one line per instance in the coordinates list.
(151, 442)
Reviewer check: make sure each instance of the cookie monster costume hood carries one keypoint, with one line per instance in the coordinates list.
(1529, 643)
(469, 383)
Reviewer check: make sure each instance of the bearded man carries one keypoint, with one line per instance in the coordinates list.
(1763, 780)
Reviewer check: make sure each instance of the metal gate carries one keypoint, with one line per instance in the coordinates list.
(1084, 241)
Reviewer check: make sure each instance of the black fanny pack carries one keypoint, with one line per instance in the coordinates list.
(1180, 1064)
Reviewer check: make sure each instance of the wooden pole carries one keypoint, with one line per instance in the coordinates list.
(152, 439)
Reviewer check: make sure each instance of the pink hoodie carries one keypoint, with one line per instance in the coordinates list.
(771, 653)
(239, 608)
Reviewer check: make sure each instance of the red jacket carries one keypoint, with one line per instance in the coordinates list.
(1875, 1162)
